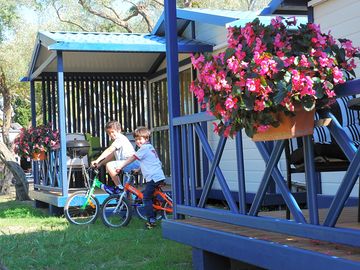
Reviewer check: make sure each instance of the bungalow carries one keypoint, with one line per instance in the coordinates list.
(86, 79)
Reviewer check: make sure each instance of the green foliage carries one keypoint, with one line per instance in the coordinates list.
(22, 111)
(51, 243)
(7, 15)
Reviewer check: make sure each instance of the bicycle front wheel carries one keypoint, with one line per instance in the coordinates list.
(116, 213)
(81, 209)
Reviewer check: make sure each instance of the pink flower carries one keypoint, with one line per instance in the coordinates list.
(269, 68)
(197, 62)
(259, 105)
(338, 75)
(253, 84)
(230, 103)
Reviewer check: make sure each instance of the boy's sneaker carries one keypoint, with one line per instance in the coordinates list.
(110, 190)
(117, 190)
(150, 225)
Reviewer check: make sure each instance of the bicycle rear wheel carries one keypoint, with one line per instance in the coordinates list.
(139, 208)
(167, 214)
(80, 209)
(116, 213)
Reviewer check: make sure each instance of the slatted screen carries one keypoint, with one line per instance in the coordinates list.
(93, 100)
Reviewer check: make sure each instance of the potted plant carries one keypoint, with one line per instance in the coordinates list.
(268, 71)
(34, 142)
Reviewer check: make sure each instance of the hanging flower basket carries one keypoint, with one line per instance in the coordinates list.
(39, 156)
(301, 124)
(34, 142)
(267, 71)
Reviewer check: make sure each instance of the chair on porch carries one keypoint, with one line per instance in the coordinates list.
(95, 146)
(328, 156)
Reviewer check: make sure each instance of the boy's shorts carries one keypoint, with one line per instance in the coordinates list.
(132, 166)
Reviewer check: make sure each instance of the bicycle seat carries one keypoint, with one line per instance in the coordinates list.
(161, 184)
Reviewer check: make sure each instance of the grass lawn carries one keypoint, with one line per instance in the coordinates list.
(30, 239)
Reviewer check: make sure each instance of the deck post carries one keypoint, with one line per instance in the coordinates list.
(172, 63)
(204, 260)
(62, 125)
(35, 167)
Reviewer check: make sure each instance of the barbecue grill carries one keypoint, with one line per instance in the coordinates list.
(77, 148)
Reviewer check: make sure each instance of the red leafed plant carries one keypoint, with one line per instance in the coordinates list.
(37, 139)
(270, 68)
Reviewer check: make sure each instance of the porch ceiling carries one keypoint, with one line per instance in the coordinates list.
(104, 52)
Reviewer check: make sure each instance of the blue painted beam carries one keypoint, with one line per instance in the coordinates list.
(33, 57)
(190, 138)
(205, 17)
(40, 69)
(334, 235)
(310, 177)
(185, 151)
(172, 63)
(347, 89)
(62, 124)
(193, 118)
(265, 254)
(147, 44)
(210, 156)
(214, 165)
(241, 173)
(35, 168)
(271, 161)
(270, 9)
(344, 191)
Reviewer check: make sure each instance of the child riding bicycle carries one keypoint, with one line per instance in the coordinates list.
(150, 165)
(120, 150)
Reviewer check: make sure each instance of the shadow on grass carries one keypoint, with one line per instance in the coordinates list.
(55, 244)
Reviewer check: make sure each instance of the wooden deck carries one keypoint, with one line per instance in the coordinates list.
(242, 241)
(326, 248)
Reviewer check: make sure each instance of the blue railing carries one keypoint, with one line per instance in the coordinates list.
(189, 202)
(47, 172)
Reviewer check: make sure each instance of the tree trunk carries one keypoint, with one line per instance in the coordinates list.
(7, 110)
(21, 184)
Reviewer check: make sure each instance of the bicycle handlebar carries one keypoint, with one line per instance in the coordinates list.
(93, 169)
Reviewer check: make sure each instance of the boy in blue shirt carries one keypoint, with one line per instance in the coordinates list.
(151, 169)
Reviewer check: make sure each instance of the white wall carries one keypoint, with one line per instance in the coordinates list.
(342, 19)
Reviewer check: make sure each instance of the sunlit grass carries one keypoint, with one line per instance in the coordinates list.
(30, 239)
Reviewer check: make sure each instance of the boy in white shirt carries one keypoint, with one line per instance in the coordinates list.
(152, 172)
(120, 150)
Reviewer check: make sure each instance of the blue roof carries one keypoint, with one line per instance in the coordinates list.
(265, 20)
(285, 7)
(209, 16)
(115, 42)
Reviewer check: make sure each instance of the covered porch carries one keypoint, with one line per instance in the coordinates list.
(84, 80)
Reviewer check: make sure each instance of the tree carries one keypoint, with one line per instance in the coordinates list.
(13, 63)
(127, 15)
(105, 15)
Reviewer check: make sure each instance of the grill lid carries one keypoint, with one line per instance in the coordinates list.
(77, 148)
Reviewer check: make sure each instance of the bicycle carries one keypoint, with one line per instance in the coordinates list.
(82, 207)
(116, 209)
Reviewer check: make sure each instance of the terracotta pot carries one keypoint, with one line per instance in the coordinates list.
(290, 127)
(39, 156)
